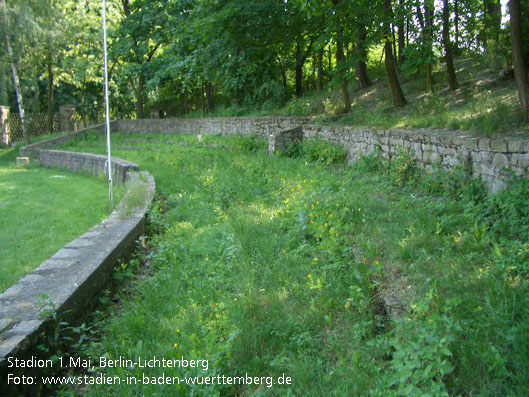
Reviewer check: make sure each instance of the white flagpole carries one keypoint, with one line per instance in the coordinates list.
(107, 111)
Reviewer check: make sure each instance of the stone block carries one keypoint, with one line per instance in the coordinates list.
(498, 145)
(471, 143)
(22, 161)
(514, 145)
(500, 161)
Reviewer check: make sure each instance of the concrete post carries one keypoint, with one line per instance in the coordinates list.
(5, 134)
(67, 118)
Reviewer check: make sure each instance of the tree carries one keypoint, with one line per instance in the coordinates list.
(398, 96)
(447, 43)
(340, 58)
(14, 72)
(519, 63)
(361, 55)
(138, 38)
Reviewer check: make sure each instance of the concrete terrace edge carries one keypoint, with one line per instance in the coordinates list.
(73, 276)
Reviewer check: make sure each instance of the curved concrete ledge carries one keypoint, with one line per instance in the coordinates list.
(72, 277)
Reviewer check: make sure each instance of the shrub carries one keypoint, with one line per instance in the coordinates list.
(507, 212)
(323, 152)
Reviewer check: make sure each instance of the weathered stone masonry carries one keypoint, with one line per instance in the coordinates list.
(494, 160)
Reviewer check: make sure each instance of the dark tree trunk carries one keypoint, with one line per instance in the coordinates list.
(420, 17)
(340, 59)
(361, 66)
(283, 73)
(319, 81)
(139, 96)
(401, 36)
(299, 71)
(203, 97)
(313, 77)
(394, 41)
(449, 59)
(456, 26)
(209, 96)
(50, 89)
(361, 74)
(184, 99)
(389, 62)
(518, 61)
(428, 38)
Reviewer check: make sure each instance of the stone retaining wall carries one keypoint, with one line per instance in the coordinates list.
(72, 277)
(259, 126)
(494, 160)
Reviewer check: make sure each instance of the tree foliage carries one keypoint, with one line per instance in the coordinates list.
(180, 56)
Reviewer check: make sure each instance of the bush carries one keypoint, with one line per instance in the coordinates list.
(248, 144)
(507, 212)
(323, 152)
(404, 170)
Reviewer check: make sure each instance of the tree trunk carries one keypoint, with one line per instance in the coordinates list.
(313, 76)
(449, 59)
(456, 26)
(340, 67)
(394, 41)
(361, 74)
(50, 88)
(389, 62)
(203, 97)
(400, 38)
(209, 96)
(428, 38)
(16, 82)
(340, 59)
(3, 93)
(361, 66)
(139, 96)
(319, 81)
(520, 68)
(283, 74)
(184, 99)
(299, 70)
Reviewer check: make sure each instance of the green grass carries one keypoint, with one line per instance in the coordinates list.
(273, 265)
(42, 210)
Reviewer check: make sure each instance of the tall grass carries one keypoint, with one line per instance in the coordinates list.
(269, 266)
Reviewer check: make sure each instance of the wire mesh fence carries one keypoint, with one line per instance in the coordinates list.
(35, 125)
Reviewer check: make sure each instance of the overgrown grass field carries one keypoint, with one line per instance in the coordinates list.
(280, 265)
(41, 211)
